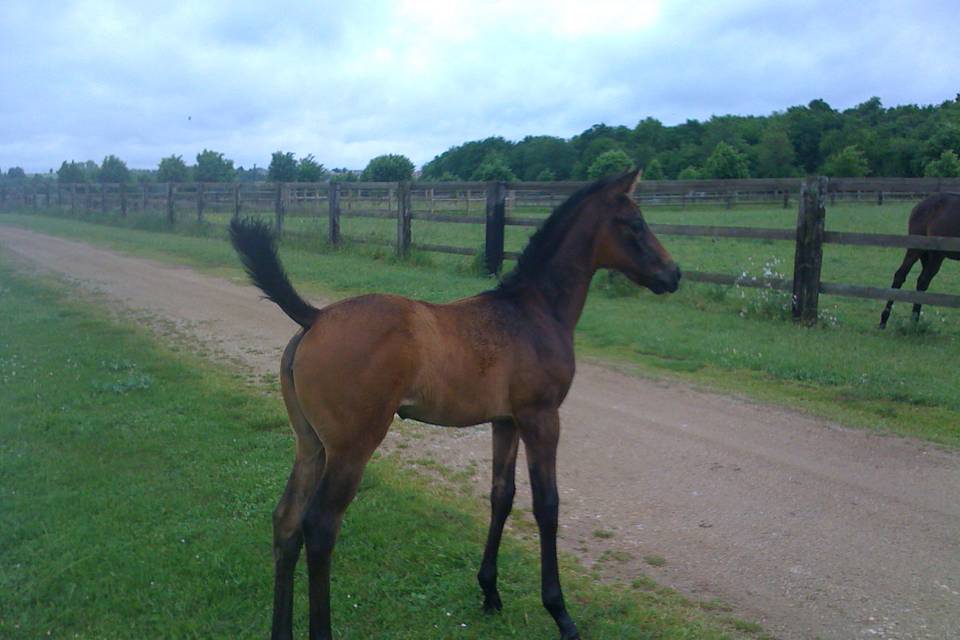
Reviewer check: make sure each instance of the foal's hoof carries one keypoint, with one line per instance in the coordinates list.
(492, 603)
(569, 632)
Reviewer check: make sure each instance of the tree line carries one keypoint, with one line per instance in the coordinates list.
(866, 140)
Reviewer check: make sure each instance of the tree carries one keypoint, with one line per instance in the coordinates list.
(776, 157)
(343, 175)
(690, 173)
(463, 160)
(947, 166)
(213, 167)
(653, 170)
(253, 174)
(309, 170)
(494, 167)
(91, 170)
(806, 126)
(609, 163)
(534, 154)
(388, 168)
(114, 170)
(283, 167)
(726, 163)
(546, 175)
(849, 162)
(173, 169)
(71, 173)
(16, 173)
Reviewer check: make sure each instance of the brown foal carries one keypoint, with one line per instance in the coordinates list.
(504, 356)
(937, 215)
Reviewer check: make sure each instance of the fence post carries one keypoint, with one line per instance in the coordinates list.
(171, 210)
(73, 199)
(103, 197)
(333, 199)
(808, 258)
(236, 199)
(59, 196)
(123, 200)
(404, 216)
(496, 219)
(33, 196)
(47, 194)
(200, 202)
(278, 209)
(786, 198)
(880, 197)
(143, 198)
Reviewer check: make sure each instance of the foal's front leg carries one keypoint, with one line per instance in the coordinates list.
(540, 431)
(502, 490)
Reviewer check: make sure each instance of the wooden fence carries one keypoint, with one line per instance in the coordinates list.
(496, 205)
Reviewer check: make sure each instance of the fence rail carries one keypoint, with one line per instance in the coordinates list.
(496, 204)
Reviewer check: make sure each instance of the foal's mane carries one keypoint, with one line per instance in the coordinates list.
(544, 243)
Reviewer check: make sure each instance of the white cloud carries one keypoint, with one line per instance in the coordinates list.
(347, 81)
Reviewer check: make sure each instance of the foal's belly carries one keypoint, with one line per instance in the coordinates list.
(455, 405)
(461, 415)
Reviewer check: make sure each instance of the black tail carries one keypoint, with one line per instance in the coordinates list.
(257, 246)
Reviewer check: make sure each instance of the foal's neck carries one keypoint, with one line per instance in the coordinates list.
(564, 284)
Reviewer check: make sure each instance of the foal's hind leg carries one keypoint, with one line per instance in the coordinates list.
(931, 265)
(898, 279)
(321, 525)
(503, 488)
(302, 484)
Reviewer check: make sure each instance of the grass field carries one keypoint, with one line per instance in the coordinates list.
(135, 494)
(899, 380)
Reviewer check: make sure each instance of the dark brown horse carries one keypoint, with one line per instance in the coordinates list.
(938, 215)
(504, 356)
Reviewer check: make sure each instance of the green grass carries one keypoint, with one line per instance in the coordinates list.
(896, 381)
(135, 496)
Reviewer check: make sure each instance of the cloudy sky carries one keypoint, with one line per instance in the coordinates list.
(348, 80)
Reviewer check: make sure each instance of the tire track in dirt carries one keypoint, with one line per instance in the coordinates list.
(813, 530)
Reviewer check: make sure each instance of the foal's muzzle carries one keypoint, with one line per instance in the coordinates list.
(666, 281)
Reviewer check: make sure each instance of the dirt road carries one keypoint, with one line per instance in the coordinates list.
(813, 530)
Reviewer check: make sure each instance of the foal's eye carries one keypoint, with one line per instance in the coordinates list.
(637, 225)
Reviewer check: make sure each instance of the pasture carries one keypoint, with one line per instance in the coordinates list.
(730, 338)
(137, 485)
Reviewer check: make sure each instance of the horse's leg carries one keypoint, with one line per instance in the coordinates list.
(288, 536)
(540, 431)
(898, 279)
(502, 490)
(931, 265)
(302, 484)
(321, 524)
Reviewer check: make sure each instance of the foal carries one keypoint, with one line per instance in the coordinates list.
(937, 215)
(504, 356)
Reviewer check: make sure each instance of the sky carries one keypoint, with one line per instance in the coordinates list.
(350, 80)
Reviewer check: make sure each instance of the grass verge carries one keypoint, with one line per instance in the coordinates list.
(135, 496)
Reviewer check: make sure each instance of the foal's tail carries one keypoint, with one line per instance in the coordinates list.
(257, 246)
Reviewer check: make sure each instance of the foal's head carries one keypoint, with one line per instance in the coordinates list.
(625, 243)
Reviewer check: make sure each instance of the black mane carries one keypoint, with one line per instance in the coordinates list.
(547, 238)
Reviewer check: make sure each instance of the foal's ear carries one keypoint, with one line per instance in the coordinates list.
(625, 183)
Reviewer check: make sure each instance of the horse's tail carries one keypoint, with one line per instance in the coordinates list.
(257, 246)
